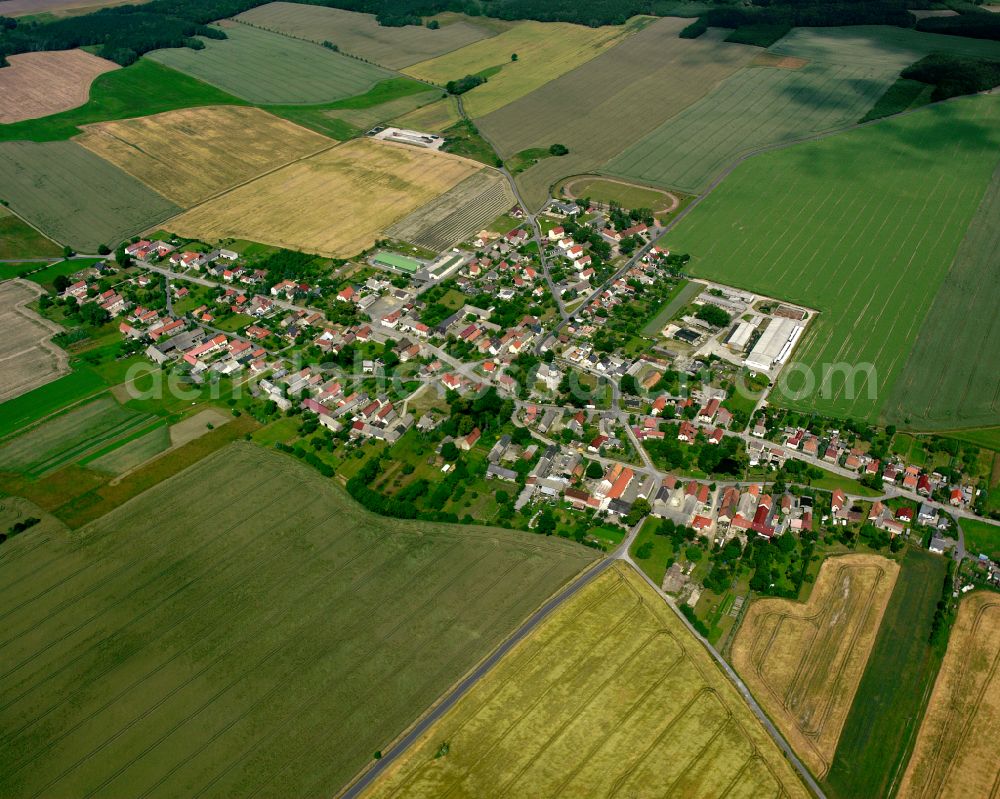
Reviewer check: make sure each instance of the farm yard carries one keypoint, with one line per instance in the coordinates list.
(27, 358)
(457, 214)
(39, 84)
(76, 197)
(951, 378)
(65, 439)
(890, 698)
(628, 91)
(803, 662)
(360, 35)
(545, 50)
(609, 696)
(836, 75)
(266, 637)
(20, 240)
(192, 154)
(335, 204)
(265, 67)
(957, 753)
(863, 229)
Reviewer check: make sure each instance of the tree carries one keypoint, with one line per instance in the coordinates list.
(693, 554)
(558, 149)
(103, 249)
(433, 24)
(513, 56)
(68, 252)
(449, 451)
(594, 470)
(93, 314)
(61, 283)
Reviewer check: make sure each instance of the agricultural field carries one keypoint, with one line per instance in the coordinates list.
(628, 91)
(265, 67)
(17, 8)
(363, 119)
(957, 753)
(227, 651)
(76, 197)
(68, 437)
(867, 245)
(457, 214)
(609, 696)
(360, 35)
(951, 378)
(545, 50)
(141, 89)
(130, 454)
(435, 117)
(20, 240)
(192, 154)
(803, 662)
(335, 204)
(815, 80)
(890, 699)
(39, 84)
(28, 359)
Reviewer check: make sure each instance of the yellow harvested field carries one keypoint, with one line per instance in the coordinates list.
(336, 203)
(192, 154)
(803, 662)
(545, 50)
(28, 359)
(958, 748)
(610, 696)
(38, 84)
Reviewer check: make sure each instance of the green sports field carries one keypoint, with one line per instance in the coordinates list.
(244, 628)
(76, 197)
(952, 377)
(860, 225)
(265, 67)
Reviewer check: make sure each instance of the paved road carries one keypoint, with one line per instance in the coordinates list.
(398, 748)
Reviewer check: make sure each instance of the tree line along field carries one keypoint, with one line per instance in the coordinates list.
(545, 50)
(951, 378)
(27, 358)
(264, 67)
(957, 752)
(360, 34)
(862, 227)
(803, 662)
(336, 203)
(814, 80)
(262, 639)
(627, 91)
(39, 84)
(74, 196)
(609, 696)
(883, 720)
(191, 154)
(458, 214)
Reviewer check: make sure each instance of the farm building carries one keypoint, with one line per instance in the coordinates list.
(775, 344)
(395, 261)
(740, 335)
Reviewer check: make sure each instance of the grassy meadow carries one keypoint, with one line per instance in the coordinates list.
(545, 50)
(264, 67)
(981, 538)
(371, 184)
(266, 639)
(803, 662)
(20, 240)
(863, 228)
(609, 696)
(360, 35)
(883, 720)
(76, 197)
(188, 155)
(952, 376)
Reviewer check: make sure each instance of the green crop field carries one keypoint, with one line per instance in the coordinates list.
(860, 225)
(19, 240)
(69, 436)
(360, 34)
(821, 79)
(626, 91)
(952, 377)
(883, 721)
(265, 67)
(120, 458)
(28, 408)
(244, 628)
(981, 538)
(76, 197)
(143, 88)
(610, 696)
